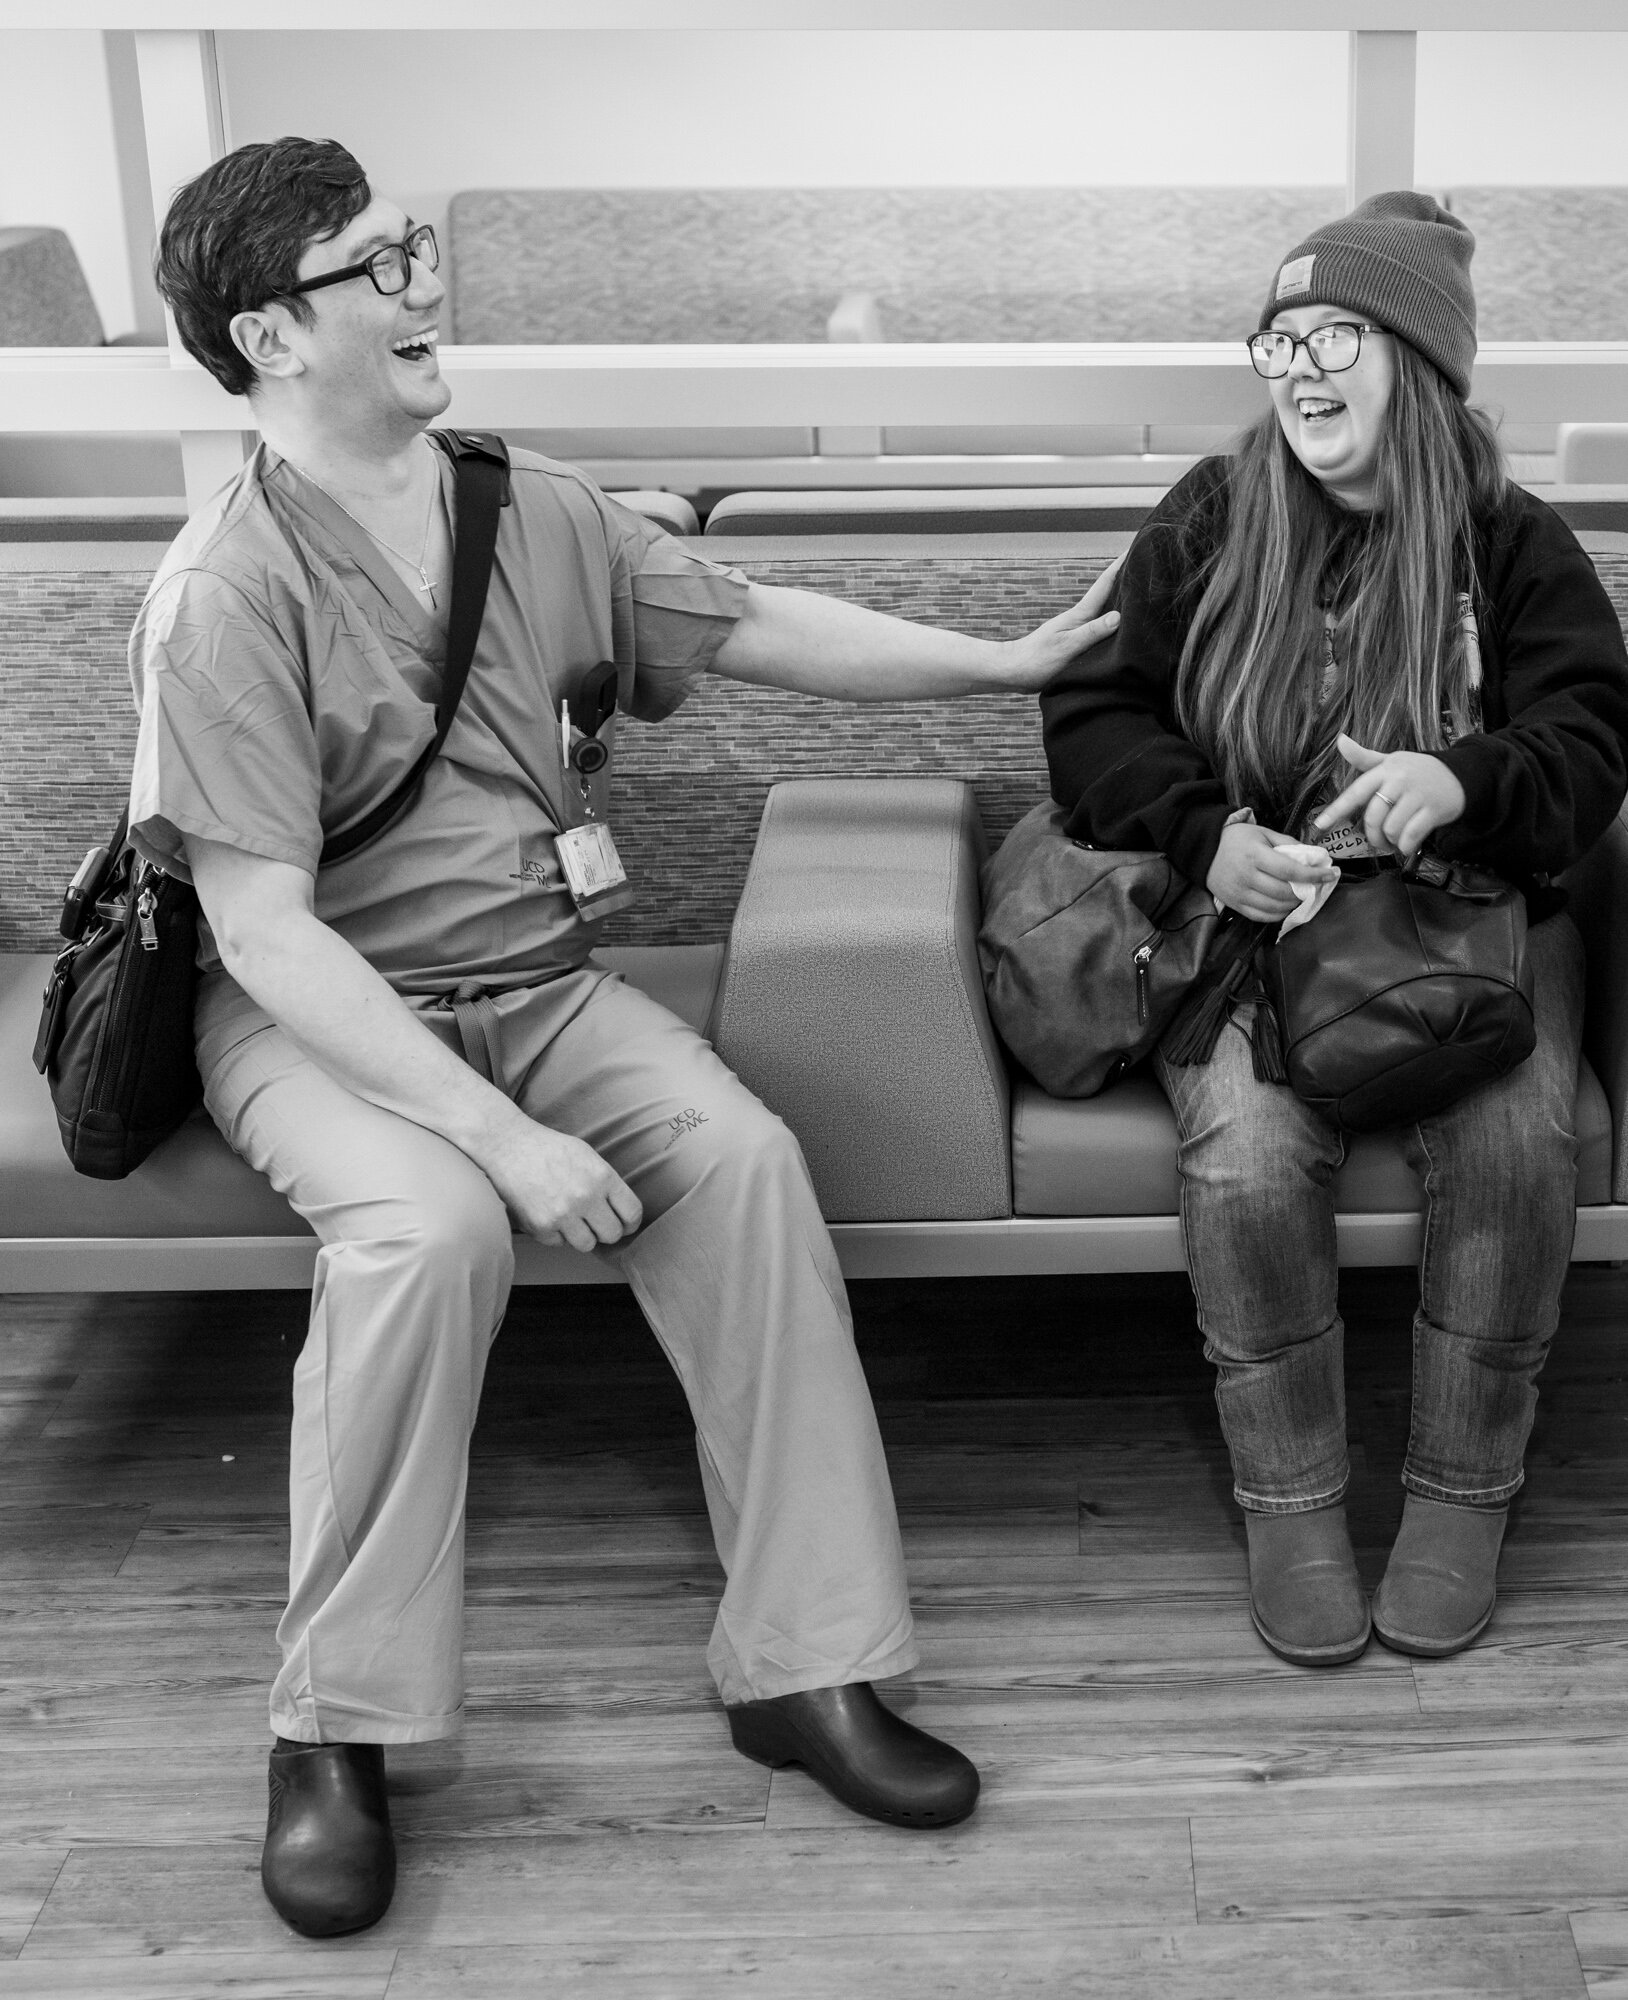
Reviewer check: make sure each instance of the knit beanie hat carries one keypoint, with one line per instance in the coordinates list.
(1404, 259)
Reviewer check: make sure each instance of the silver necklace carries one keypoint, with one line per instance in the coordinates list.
(424, 582)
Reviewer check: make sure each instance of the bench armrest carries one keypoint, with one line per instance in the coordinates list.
(1597, 892)
(852, 1001)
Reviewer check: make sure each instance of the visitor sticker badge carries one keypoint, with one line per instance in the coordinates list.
(1295, 276)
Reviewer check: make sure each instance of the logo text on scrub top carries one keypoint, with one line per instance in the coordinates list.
(535, 872)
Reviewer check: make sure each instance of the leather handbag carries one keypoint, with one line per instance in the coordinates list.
(1407, 990)
(1088, 953)
(115, 1039)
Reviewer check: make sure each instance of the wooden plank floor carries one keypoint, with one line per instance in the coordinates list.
(1169, 1810)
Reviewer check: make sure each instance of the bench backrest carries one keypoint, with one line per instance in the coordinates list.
(690, 791)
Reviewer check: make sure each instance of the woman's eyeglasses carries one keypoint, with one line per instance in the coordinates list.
(389, 268)
(1333, 348)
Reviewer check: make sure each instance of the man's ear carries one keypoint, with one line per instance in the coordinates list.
(259, 338)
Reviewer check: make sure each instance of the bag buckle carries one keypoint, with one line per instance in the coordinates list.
(53, 1010)
(80, 897)
(1429, 869)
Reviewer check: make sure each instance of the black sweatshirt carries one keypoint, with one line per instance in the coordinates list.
(1541, 781)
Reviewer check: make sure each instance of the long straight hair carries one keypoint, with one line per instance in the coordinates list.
(1250, 686)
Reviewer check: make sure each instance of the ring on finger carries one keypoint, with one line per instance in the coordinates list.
(1386, 797)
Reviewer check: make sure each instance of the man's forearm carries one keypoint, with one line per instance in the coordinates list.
(823, 646)
(347, 1019)
(326, 996)
(820, 645)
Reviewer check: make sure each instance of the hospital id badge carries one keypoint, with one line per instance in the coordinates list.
(593, 870)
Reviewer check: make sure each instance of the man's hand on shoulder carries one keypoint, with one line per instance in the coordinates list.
(558, 1188)
(1040, 656)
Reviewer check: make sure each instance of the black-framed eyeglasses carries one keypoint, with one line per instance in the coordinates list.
(1333, 348)
(389, 268)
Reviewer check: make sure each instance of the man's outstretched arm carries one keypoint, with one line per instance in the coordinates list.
(821, 645)
(325, 995)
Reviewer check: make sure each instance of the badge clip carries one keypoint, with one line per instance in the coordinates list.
(589, 861)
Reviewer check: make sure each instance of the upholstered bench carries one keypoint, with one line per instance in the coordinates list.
(810, 895)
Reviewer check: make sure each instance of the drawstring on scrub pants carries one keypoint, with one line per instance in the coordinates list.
(480, 1029)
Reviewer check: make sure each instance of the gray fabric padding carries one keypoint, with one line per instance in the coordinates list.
(1116, 1155)
(946, 264)
(44, 299)
(689, 791)
(852, 1002)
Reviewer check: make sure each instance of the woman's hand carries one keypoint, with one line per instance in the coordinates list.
(1402, 796)
(1249, 874)
(1041, 655)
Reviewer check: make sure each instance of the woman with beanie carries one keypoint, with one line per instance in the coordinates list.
(1358, 633)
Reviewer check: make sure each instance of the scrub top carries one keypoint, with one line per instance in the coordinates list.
(286, 677)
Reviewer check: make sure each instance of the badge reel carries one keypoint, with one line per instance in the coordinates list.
(589, 861)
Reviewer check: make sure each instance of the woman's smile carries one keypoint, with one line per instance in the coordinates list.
(1336, 423)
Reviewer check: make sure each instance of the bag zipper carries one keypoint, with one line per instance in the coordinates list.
(146, 908)
(125, 976)
(1142, 958)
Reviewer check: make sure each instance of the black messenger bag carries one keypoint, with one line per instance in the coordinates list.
(115, 1040)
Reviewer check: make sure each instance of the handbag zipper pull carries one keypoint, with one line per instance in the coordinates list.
(1142, 958)
(146, 908)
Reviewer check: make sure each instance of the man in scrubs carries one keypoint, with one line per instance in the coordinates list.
(287, 663)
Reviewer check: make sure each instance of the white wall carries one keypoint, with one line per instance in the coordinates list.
(57, 162)
(898, 108)
(1523, 110)
(579, 109)
(430, 112)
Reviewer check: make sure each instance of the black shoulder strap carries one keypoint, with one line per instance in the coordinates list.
(481, 468)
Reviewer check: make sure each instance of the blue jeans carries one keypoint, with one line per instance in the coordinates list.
(1499, 1171)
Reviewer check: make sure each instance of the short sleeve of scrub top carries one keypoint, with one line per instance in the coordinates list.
(226, 750)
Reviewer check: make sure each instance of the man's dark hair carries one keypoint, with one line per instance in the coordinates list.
(233, 240)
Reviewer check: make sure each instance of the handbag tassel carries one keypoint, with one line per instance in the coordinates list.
(1190, 1039)
(1266, 1044)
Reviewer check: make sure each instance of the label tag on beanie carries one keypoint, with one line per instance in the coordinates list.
(1296, 276)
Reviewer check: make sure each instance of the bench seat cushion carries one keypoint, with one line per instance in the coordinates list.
(1108, 1155)
(1116, 1155)
(194, 1185)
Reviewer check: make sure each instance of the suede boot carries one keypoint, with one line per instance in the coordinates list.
(329, 1865)
(1304, 1592)
(1440, 1584)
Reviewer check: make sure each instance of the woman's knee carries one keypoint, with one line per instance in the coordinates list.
(1239, 1135)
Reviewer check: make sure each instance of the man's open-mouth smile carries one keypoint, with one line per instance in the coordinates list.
(416, 347)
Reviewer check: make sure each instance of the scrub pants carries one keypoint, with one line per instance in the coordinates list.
(735, 1272)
